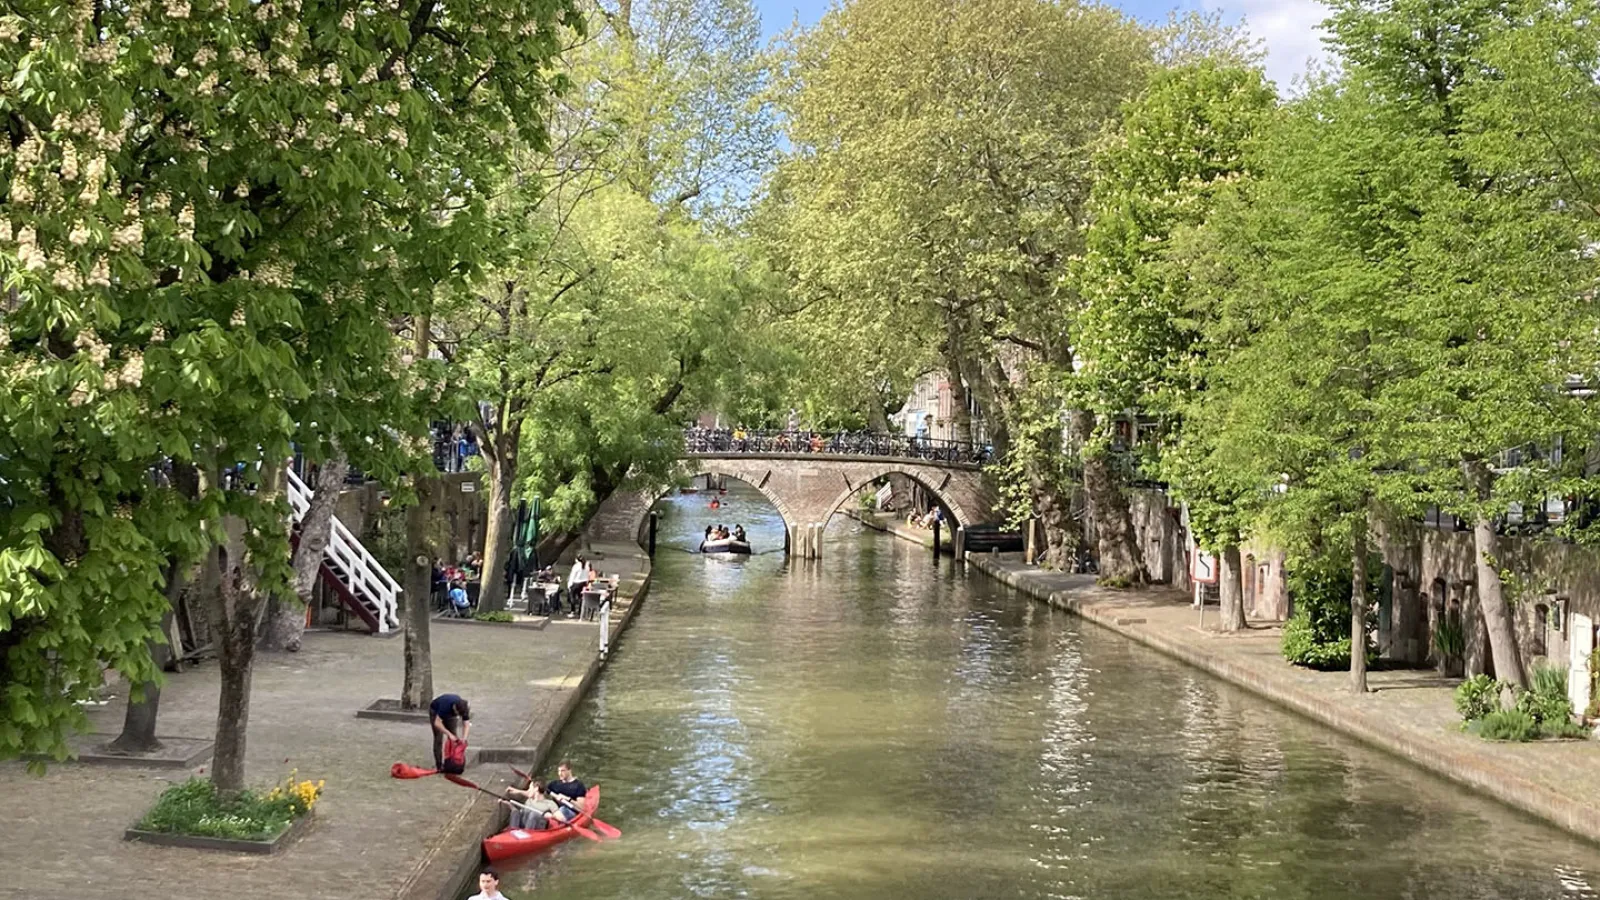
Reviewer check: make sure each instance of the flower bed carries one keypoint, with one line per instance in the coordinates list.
(195, 809)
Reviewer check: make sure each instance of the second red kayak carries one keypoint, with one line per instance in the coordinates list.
(517, 841)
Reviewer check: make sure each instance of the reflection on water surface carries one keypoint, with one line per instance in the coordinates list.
(870, 726)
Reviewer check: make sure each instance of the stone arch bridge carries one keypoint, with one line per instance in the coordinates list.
(807, 486)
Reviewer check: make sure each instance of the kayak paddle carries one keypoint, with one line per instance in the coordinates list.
(609, 831)
(573, 825)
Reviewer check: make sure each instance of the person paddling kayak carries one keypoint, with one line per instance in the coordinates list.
(448, 715)
(567, 787)
(536, 812)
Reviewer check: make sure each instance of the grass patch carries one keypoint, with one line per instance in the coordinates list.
(498, 615)
(195, 808)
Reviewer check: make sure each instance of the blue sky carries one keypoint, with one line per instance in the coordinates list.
(1288, 27)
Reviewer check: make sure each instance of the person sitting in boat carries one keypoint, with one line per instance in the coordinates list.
(568, 788)
(536, 811)
(738, 534)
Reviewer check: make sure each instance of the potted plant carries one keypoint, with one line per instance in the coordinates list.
(1450, 642)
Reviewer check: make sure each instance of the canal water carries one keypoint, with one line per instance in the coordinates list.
(873, 726)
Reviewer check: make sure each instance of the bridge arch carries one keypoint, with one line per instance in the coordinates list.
(640, 512)
(806, 489)
(956, 505)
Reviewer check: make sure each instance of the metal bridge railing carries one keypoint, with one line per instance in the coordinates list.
(698, 441)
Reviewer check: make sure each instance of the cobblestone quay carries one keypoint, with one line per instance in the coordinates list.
(372, 836)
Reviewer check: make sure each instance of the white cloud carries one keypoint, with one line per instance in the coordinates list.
(1288, 27)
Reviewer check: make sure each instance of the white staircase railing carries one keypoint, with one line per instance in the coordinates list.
(366, 578)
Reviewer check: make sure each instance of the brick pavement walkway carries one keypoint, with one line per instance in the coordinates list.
(62, 832)
(1407, 712)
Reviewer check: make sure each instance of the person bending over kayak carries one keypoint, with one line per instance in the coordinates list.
(448, 714)
(537, 812)
(567, 787)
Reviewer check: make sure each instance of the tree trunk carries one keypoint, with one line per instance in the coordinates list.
(235, 611)
(502, 468)
(1120, 557)
(996, 398)
(1232, 589)
(955, 370)
(1491, 591)
(1053, 508)
(1358, 610)
(139, 723)
(285, 622)
(417, 690)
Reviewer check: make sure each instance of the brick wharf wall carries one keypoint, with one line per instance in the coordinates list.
(1165, 542)
(1435, 572)
(464, 513)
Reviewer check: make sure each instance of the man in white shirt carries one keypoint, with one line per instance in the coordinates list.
(577, 580)
(488, 886)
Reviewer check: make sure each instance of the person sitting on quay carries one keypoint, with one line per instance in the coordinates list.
(448, 716)
(568, 787)
(459, 603)
(536, 812)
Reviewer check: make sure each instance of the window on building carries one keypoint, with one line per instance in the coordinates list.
(1541, 623)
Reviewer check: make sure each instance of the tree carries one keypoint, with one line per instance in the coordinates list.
(1494, 313)
(284, 622)
(1541, 116)
(1296, 419)
(194, 229)
(950, 204)
(662, 126)
(1180, 143)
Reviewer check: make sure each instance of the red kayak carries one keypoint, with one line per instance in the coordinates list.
(517, 841)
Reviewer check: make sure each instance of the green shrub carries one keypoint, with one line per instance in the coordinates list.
(1317, 636)
(1477, 697)
(1113, 581)
(1543, 712)
(1302, 647)
(195, 808)
(1507, 725)
(1548, 703)
(498, 615)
